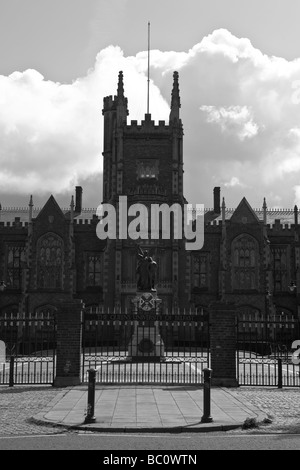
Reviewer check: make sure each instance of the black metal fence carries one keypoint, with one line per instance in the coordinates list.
(143, 348)
(27, 349)
(264, 351)
(170, 348)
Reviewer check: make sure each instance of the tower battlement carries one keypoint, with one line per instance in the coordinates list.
(109, 103)
(147, 125)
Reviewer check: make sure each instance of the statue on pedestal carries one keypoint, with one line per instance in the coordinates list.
(146, 271)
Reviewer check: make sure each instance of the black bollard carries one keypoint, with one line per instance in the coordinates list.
(279, 373)
(206, 418)
(90, 418)
(11, 370)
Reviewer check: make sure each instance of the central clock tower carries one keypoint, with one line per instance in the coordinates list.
(144, 162)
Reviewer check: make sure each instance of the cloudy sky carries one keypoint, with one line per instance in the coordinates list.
(239, 73)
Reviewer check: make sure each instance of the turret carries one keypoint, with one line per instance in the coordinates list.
(114, 107)
(30, 205)
(175, 99)
(223, 218)
(122, 111)
(265, 211)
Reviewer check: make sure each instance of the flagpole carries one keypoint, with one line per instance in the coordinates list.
(148, 67)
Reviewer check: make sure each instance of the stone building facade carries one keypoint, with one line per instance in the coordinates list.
(250, 256)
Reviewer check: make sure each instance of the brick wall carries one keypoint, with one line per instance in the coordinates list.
(223, 344)
(69, 334)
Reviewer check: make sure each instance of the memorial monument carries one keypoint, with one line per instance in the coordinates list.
(146, 344)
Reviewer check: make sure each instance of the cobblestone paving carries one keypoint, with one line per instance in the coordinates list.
(281, 405)
(19, 404)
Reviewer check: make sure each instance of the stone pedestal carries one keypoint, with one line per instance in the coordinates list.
(146, 344)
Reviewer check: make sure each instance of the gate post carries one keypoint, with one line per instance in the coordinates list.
(68, 340)
(222, 319)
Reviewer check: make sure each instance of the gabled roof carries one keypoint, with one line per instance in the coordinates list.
(244, 214)
(51, 207)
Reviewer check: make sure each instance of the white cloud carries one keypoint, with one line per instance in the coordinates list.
(223, 43)
(247, 131)
(236, 120)
(297, 195)
(233, 182)
(51, 133)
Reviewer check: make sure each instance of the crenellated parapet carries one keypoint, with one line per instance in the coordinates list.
(109, 103)
(13, 225)
(212, 224)
(148, 125)
(278, 228)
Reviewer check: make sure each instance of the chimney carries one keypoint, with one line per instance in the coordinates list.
(78, 199)
(217, 200)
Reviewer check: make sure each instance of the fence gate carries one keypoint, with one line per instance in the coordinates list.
(134, 348)
(264, 351)
(27, 349)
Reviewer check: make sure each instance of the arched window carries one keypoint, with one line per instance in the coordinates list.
(280, 268)
(94, 270)
(248, 312)
(50, 262)
(45, 312)
(10, 311)
(15, 262)
(244, 263)
(200, 270)
(147, 169)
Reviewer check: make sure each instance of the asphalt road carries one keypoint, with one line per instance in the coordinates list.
(140, 446)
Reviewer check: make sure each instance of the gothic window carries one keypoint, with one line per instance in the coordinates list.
(10, 311)
(163, 274)
(245, 263)
(280, 268)
(147, 169)
(94, 270)
(200, 270)
(50, 262)
(45, 312)
(15, 261)
(129, 264)
(163, 259)
(93, 308)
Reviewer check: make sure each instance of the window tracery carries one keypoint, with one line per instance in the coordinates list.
(50, 262)
(245, 263)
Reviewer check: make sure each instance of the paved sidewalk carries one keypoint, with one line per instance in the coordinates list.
(147, 408)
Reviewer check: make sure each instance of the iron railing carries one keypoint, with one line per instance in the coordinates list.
(143, 348)
(27, 350)
(264, 351)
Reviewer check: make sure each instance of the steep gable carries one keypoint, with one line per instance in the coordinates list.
(51, 211)
(244, 214)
